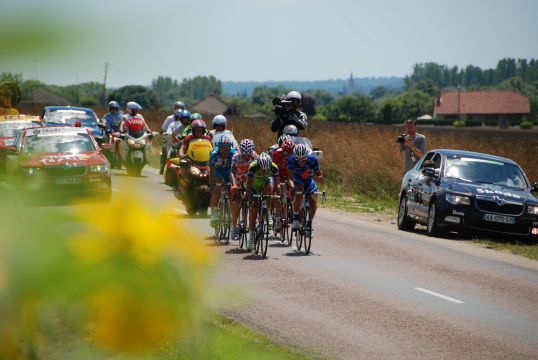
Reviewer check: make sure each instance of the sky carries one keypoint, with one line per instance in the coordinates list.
(69, 41)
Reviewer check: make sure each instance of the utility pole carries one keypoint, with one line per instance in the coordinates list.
(104, 84)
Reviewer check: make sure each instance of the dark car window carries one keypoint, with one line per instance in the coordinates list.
(73, 143)
(429, 156)
(485, 171)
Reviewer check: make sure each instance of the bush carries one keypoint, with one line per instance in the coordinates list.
(459, 123)
(319, 117)
(526, 124)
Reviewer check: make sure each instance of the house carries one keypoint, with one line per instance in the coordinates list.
(210, 105)
(45, 97)
(491, 107)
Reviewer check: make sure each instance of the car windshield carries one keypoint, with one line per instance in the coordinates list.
(486, 172)
(53, 143)
(70, 117)
(12, 129)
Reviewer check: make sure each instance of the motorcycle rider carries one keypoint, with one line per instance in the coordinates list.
(261, 175)
(198, 132)
(112, 119)
(188, 128)
(178, 107)
(175, 132)
(219, 129)
(280, 158)
(287, 112)
(220, 170)
(240, 165)
(133, 122)
(303, 172)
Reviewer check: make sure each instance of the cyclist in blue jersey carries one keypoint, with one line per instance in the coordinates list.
(220, 170)
(303, 172)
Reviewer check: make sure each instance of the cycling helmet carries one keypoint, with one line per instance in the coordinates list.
(132, 105)
(113, 105)
(219, 120)
(264, 161)
(198, 124)
(300, 151)
(179, 105)
(177, 112)
(290, 130)
(196, 116)
(246, 146)
(225, 142)
(288, 146)
(282, 138)
(184, 114)
(294, 95)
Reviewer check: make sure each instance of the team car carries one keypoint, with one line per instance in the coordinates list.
(468, 191)
(9, 130)
(74, 116)
(59, 160)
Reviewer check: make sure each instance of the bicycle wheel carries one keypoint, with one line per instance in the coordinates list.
(260, 229)
(217, 225)
(264, 239)
(307, 231)
(243, 226)
(289, 220)
(225, 222)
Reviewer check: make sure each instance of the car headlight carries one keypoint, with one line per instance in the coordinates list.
(533, 209)
(458, 199)
(195, 171)
(99, 169)
(30, 170)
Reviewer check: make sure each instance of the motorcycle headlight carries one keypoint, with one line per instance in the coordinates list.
(195, 171)
(99, 169)
(533, 209)
(131, 142)
(30, 170)
(458, 199)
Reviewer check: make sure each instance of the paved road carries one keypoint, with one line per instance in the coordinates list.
(369, 291)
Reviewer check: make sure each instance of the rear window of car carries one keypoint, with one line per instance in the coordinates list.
(12, 129)
(70, 117)
(54, 143)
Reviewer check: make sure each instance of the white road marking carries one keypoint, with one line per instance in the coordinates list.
(448, 298)
(181, 211)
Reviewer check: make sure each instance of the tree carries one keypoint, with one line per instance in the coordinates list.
(378, 92)
(141, 94)
(263, 95)
(166, 89)
(11, 77)
(355, 108)
(322, 97)
(200, 86)
(308, 105)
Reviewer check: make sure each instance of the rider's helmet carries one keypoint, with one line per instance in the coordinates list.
(179, 105)
(198, 124)
(281, 139)
(290, 130)
(132, 105)
(246, 147)
(225, 142)
(287, 146)
(177, 113)
(113, 105)
(300, 151)
(196, 116)
(184, 114)
(264, 161)
(294, 95)
(219, 120)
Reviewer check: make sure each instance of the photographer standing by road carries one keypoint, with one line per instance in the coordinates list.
(287, 112)
(412, 145)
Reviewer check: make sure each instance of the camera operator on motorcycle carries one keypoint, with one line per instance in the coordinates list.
(303, 172)
(219, 129)
(287, 112)
(178, 106)
(262, 173)
(220, 170)
(240, 165)
(133, 122)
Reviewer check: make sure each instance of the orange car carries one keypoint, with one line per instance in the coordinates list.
(59, 160)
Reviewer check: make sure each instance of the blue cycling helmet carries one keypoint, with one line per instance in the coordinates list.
(184, 114)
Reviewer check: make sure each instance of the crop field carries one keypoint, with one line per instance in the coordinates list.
(361, 159)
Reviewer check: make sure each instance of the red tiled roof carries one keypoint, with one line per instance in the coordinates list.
(481, 102)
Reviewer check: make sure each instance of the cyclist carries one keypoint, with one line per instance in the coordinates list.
(220, 170)
(287, 112)
(133, 122)
(273, 147)
(303, 172)
(219, 129)
(240, 166)
(261, 175)
(280, 158)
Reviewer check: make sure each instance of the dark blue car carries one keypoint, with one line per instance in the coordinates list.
(70, 115)
(461, 190)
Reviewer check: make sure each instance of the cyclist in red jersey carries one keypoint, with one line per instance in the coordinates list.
(280, 158)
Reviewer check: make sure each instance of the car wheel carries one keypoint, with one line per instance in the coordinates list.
(404, 222)
(433, 221)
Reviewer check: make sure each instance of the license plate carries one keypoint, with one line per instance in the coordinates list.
(68, 180)
(499, 218)
(137, 155)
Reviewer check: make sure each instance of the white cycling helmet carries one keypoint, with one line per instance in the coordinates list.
(179, 105)
(300, 151)
(132, 105)
(264, 161)
(294, 95)
(219, 120)
(290, 130)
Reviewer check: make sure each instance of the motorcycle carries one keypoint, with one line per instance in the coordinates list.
(134, 151)
(112, 146)
(193, 184)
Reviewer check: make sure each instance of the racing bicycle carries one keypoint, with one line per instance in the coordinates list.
(222, 230)
(303, 235)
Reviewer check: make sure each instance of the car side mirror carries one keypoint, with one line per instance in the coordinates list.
(428, 171)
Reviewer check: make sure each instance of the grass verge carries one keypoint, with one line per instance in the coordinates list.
(524, 249)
